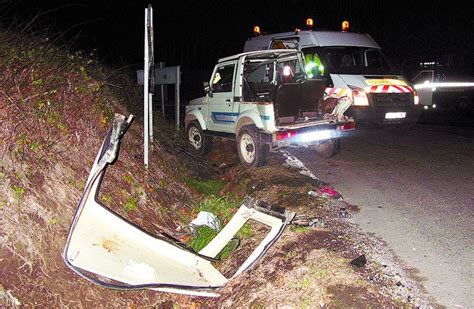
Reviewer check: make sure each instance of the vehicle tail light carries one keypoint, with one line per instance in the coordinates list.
(417, 99)
(287, 70)
(348, 126)
(284, 135)
(359, 96)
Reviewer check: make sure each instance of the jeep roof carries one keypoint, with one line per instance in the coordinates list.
(271, 53)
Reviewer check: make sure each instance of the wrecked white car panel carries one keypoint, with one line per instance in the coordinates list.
(102, 243)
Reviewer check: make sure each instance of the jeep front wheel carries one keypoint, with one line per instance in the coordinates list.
(252, 152)
(197, 140)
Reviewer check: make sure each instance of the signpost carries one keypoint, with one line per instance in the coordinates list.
(165, 76)
(148, 83)
(150, 76)
(170, 76)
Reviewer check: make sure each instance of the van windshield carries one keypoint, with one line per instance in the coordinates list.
(351, 60)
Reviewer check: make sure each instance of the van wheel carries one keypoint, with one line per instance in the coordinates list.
(252, 152)
(197, 140)
(329, 148)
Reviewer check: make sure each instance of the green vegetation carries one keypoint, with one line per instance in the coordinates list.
(129, 178)
(204, 235)
(290, 254)
(222, 207)
(131, 204)
(162, 183)
(207, 187)
(106, 198)
(246, 232)
(53, 221)
(300, 229)
(18, 192)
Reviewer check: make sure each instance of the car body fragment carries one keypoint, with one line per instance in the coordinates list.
(106, 249)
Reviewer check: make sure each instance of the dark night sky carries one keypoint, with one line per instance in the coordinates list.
(196, 33)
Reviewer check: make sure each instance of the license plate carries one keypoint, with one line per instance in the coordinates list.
(395, 115)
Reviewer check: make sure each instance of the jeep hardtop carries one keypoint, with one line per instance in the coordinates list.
(264, 100)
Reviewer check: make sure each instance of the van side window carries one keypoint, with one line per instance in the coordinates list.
(288, 43)
(222, 81)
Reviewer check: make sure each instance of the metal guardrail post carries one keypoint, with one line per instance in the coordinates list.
(178, 81)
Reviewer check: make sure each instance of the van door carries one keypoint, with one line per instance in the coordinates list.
(221, 102)
(424, 86)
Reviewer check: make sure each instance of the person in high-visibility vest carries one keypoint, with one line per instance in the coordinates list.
(314, 68)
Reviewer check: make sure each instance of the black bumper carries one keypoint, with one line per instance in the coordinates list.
(382, 103)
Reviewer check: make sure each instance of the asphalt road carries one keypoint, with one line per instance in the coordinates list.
(415, 190)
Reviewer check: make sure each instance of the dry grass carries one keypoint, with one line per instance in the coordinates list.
(55, 107)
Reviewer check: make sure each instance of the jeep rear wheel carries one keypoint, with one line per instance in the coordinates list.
(252, 152)
(328, 148)
(196, 138)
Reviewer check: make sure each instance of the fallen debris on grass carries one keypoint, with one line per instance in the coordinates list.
(100, 244)
(359, 261)
(205, 218)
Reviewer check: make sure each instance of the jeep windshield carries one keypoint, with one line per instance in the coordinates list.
(350, 60)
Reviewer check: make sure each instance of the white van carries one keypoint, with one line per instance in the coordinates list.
(354, 66)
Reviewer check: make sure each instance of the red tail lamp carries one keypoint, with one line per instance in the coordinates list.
(348, 126)
(284, 135)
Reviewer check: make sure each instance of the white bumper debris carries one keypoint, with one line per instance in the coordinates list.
(100, 244)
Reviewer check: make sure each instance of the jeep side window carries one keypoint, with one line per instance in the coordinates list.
(257, 81)
(223, 79)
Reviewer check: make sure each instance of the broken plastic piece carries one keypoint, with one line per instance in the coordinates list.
(304, 220)
(342, 105)
(343, 213)
(100, 244)
(359, 261)
(329, 192)
(325, 191)
(205, 218)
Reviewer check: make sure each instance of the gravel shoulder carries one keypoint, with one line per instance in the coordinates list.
(414, 190)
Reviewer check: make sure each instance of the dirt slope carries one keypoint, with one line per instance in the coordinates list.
(55, 107)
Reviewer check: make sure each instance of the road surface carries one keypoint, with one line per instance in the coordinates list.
(415, 190)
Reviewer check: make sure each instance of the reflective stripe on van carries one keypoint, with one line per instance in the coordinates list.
(341, 92)
(389, 89)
